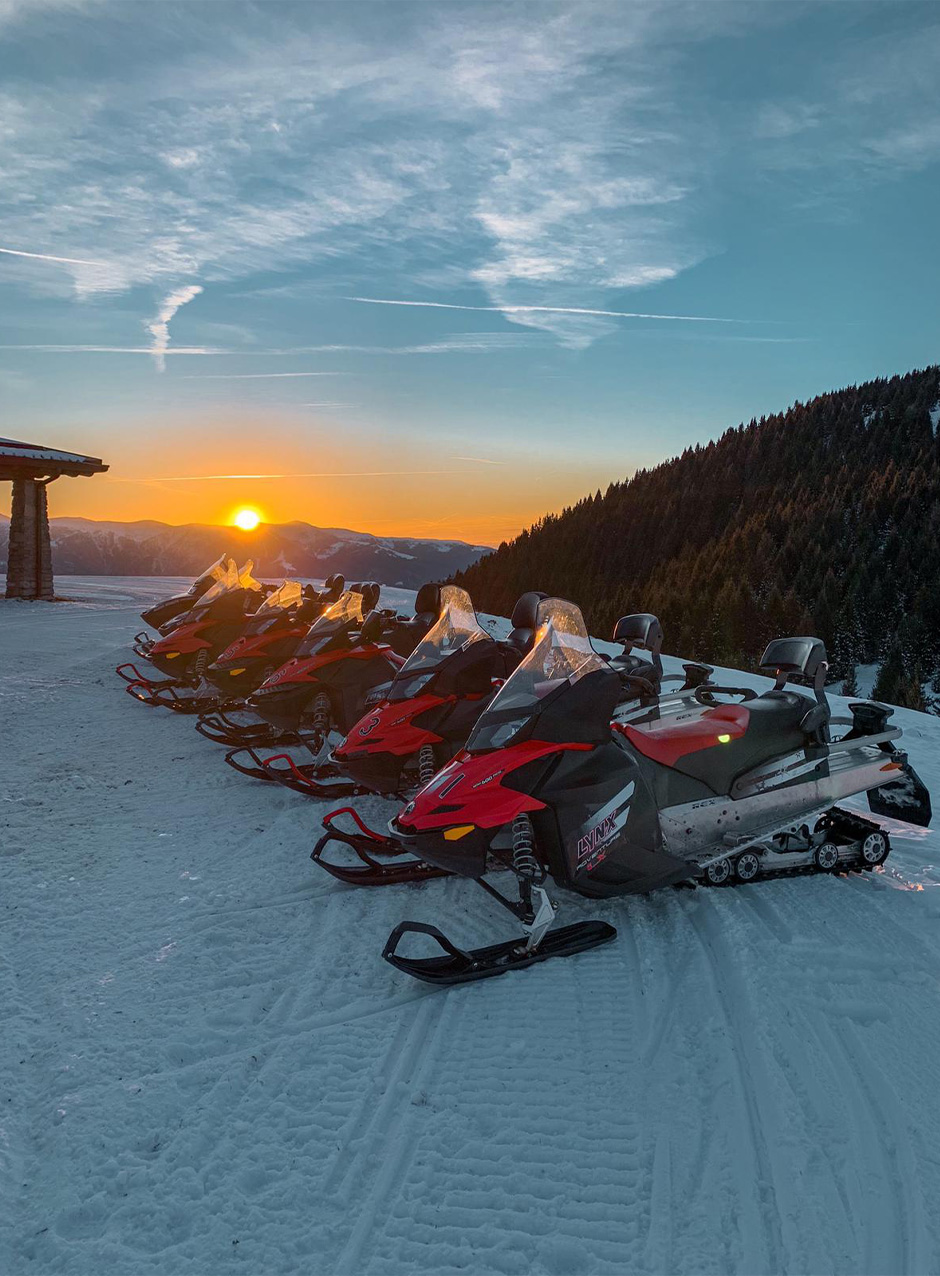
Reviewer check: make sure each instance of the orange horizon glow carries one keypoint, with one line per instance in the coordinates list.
(382, 482)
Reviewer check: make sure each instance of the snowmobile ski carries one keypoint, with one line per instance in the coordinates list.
(460, 966)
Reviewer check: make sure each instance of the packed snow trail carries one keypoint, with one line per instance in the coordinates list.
(207, 1066)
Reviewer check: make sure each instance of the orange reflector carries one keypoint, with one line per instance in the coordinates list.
(171, 655)
(232, 672)
(892, 766)
(453, 835)
(724, 739)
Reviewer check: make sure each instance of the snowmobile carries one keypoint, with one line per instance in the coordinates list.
(161, 613)
(269, 638)
(729, 786)
(196, 638)
(436, 696)
(435, 701)
(352, 651)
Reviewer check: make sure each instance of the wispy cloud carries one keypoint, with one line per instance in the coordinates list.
(175, 350)
(553, 310)
(255, 376)
(65, 261)
(160, 327)
(315, 474)
(478, 460)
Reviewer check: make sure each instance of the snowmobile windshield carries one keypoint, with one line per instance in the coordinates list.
(225, 583)
(561, 655)
(214, 573)
(344, 614)
(456, 628)
(288, 595)
(245, 578)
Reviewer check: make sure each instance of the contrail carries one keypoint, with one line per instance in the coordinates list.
(67, 261)
(551, 310)
(206, 478)
(159, 328)
(254, 376)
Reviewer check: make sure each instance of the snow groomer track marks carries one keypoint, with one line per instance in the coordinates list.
(210, 1067)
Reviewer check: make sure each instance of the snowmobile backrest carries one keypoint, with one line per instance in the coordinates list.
(805, 657)
(370, 595)
(428, 603)
(525, 620)
(794, 656)
(333, 586)
(642, 630)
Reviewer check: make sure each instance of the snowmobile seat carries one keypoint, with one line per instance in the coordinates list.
(524, 621)
(772, 729)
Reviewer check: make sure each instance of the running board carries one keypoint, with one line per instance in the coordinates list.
(458, 966)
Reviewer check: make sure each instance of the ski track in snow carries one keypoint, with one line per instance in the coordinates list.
(208, 1067)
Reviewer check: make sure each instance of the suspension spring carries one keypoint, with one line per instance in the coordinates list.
(202, 659)
(524, 860)
(321, 713)
(426, 764)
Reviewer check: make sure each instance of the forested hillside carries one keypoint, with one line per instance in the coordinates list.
(822, 519)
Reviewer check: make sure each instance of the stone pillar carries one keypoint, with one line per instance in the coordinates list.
(29, 564)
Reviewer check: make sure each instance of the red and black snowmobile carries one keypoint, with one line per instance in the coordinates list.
(351, 653)
(408, 726)
(160, 614)
(436, 697)
(727, 785)
(193, 640)
(270, 637)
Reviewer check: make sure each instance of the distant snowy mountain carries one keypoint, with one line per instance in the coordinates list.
(82, 546)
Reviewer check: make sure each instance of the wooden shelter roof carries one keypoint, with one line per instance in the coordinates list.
(33, 460)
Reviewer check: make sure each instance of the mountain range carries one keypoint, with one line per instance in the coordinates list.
(823, 519)
(85, 547)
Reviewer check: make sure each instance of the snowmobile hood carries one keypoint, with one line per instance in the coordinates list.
(473, 791)
(391, 728)
(255, 646)
(183, 640)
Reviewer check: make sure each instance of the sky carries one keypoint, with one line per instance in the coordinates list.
(436, 269)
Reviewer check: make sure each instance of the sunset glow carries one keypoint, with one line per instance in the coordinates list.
(247, 519)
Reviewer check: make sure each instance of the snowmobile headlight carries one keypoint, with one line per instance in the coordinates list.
(724, 739)
(461, 830)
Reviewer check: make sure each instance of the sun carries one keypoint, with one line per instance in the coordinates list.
(247, 520)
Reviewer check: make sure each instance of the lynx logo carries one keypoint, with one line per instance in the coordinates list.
(594, 845)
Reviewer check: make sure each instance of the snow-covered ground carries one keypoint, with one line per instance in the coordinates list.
(207, 1067)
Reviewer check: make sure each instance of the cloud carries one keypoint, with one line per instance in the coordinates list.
(74, 349)
(315, 474)
(293, 142)
(510, 310)
(160, 327)
(255, 376)
(69, 261)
